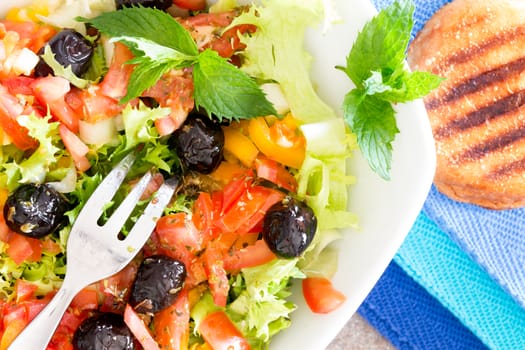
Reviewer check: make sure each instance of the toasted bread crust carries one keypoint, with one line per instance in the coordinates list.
(477, 115)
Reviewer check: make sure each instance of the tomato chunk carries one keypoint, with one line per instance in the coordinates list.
(321, 296)
(139, 329)
(172, 325)
(221, 334)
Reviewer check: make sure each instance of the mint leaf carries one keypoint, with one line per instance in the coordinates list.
(148, 24)
(382, 43)
(376, 65)
(372, 120)
(412, 85)
(225, 91)
(160, 44)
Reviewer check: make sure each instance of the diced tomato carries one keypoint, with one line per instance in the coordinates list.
(75, 147)
(32, 35)
(194, 5)
(205, 212)
(51, 91)
(229, 42)
(321, 296)
(115, 82)
(116, 288)
(172, 325)
(139, 329)
(250, 256)
(220, 332)
(220, 19)
(10, 109)
(49, 246)
(24, 290)
(217, 276)
(11, 331)
(174, 90)
(22, 248)
(175, 229)
(234, 189)
(19, 85)
(272, 171)
(86, 299)
(92, 104)
(249, 209)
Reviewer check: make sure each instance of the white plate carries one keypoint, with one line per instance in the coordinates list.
(386, 210)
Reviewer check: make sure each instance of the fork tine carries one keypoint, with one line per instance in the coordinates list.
(105, 191)
(121, 214)
(146, 222)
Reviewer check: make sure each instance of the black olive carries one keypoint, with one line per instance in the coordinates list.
(35, 210)
(159, 4)
(199, 143)
(289, 227)
(70, 49)
(105, 331)
(158, 282)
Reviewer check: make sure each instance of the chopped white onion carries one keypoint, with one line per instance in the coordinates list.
(100, 133)
(25, 62)
(67, 184)
(275, 95)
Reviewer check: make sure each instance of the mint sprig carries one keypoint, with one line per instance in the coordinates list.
(376, 65)
(160, 44)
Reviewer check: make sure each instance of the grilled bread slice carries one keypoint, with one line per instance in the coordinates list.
(477, 115)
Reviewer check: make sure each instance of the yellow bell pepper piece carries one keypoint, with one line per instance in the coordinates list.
(236, 143)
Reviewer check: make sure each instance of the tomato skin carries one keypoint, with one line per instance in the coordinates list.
(320, 295)
(172, 325)
(115, 82)
(250, 256)
(194, 5)
(221, 334)
(76, 147)
(139, 329)
(10, 109)
(51, 91)
(272, 171)
(23, 248)
(176, 230)
(217, 275)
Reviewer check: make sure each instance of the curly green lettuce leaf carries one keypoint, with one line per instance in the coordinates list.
(35, 167)
(272, 56)
(260, 309)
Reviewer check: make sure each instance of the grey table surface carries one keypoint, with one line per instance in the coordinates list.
(359, 335)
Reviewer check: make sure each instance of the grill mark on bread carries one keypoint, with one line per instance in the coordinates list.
(497, 142)
(471, 52)
(476, 118)
(507, 169)
(478, 83)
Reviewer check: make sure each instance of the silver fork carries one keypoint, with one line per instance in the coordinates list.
(95, 252)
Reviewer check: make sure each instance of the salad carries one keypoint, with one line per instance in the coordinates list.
(215, 96)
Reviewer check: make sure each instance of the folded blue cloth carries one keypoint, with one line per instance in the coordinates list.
(440, 266)
(494, 239)
(410, 318)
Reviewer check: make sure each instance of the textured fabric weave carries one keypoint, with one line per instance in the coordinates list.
(404, 313)
(439, 265)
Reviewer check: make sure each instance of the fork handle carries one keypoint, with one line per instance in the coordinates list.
(37, 334)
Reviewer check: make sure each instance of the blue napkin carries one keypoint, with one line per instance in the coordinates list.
(410, 318)
(433, 296)
(494, 239)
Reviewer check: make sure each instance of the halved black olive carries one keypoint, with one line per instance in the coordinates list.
(289, 227)
(70, 49)
(35, 210)
(104, 331)
(158, 283)
(199, 143)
